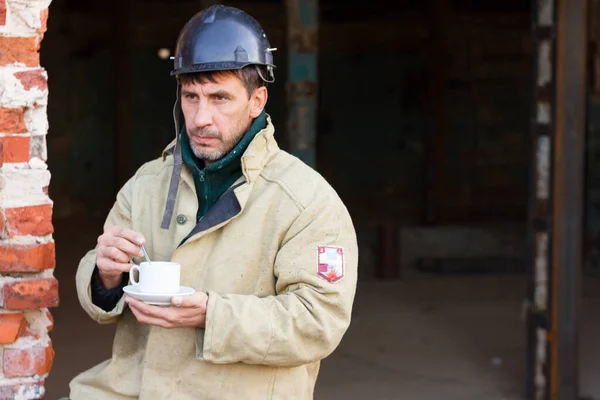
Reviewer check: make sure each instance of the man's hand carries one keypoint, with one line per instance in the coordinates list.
(116, 246)
(187, 311)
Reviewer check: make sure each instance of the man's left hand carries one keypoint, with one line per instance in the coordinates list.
(186, 312)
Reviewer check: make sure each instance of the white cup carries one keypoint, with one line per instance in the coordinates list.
(158, 277)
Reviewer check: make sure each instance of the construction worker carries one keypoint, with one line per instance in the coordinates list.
(265, 243)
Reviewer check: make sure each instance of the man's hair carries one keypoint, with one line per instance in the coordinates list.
(249, 76)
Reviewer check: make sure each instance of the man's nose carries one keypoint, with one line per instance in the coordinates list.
(203, 115)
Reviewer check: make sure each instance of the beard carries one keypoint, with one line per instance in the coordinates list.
(211, 153)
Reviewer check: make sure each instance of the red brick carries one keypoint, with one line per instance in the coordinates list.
(20, 49)
(11, 327)
(33, 293)
(33, 78)
(33, 389)
(2, 12)
(15, 149)
(44, 21)
(51, 318)
(27, 258)
(27, 362)
(32, 220)
(12, 120)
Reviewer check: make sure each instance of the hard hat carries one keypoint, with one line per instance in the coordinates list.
(222, 38)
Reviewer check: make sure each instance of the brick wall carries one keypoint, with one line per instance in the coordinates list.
(27, 258)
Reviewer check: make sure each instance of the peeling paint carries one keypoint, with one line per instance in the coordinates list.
(303, 24)
(13, 93)
(29, 240)
(23, 17)
(36, 119)
(28, 342)
(303, 66)
(545, 12)
(37, 149)
(30, 392)
(302, 87)
(38, 322)
(23, 187)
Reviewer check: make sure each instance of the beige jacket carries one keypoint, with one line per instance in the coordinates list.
(272, 314)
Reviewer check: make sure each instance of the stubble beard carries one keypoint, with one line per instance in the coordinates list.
(223, 148)
(213, 154)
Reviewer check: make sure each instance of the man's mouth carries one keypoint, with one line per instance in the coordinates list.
(203, 139)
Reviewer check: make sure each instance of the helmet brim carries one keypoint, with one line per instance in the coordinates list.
(215, 66)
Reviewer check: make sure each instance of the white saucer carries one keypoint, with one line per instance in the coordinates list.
(157, 299)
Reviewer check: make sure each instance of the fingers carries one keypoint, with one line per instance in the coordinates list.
(116, 247)
(126, 247)
(153, 315)
(125, 240)
(108, 266)
(112, 253)
(134, 237)
(196, 300)
(144, 318)
(146, 309)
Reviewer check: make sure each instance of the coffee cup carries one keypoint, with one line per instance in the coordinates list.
(158, 277)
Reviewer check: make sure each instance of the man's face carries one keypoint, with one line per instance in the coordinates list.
(218, 114)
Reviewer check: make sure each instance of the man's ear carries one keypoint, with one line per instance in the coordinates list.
(258, 101)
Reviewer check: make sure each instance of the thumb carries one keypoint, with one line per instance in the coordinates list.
(184, 301)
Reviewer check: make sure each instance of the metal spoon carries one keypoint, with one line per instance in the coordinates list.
(146, 255)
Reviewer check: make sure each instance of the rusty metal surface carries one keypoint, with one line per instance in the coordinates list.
(303, 25)
(556, 198)
(568, 195)
(302, 85)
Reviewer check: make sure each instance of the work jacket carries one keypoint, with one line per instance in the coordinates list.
(277, 255)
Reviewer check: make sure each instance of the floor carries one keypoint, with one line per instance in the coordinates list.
(420, 339)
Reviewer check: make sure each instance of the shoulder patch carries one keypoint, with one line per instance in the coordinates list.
(330, 263)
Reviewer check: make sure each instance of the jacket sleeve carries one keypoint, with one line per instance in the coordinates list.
(120, 215)
(307, 318)
(106, 299)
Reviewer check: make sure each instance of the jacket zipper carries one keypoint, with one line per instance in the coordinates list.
(204, 178)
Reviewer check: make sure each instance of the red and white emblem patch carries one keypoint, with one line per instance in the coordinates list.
(331, 263)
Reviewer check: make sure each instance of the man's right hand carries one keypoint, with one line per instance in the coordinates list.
(116, 247)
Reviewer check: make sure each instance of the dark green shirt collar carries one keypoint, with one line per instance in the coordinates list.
(213, 180)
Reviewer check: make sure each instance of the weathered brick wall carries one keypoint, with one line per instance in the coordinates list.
(27, 258)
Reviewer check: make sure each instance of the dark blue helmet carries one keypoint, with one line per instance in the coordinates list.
(222, 38)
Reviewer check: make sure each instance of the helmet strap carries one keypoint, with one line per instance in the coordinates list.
(177, 163)
(270, 72)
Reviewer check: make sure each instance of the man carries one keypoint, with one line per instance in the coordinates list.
(263, 239)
